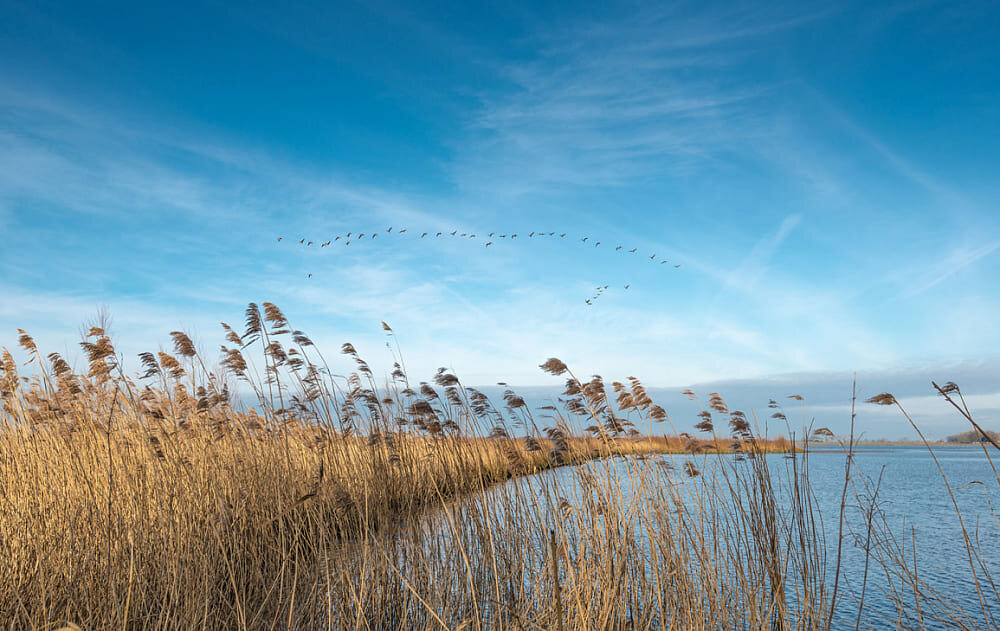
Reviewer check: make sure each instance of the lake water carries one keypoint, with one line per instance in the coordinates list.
(915, 501)
(913, 506)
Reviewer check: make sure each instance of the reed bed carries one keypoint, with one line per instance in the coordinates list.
(261, 491)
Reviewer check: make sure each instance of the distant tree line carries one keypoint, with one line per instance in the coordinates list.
(972, 436)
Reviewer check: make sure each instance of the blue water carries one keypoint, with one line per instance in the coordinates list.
(913, 506)
(916, 505)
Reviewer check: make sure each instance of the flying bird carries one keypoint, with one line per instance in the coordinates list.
(652, 257)
(588, 302)
(531, 234)
(279, 238)
(309, 243)
(618, 248)
(336, 238)
(453, 233)
(361, 235)
(678, 265)
(325, 244)
(302, 241)
(597, 244)
(584, 239)
(309, 276)
(562, 235)
(489, 243)
(632, 251)
(438, 234)
(403, 230)
(423, 235)
(627, 286)
(389, 230)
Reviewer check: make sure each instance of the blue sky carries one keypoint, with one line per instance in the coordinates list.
(825, 174)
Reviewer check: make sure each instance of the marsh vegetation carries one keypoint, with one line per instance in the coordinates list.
(167, 500)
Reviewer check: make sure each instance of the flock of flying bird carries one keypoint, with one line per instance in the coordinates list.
(356, 237)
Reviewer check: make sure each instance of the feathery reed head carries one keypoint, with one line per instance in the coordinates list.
(882, 399)
(553, 366)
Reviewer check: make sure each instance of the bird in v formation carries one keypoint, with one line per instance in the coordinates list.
(455, 233)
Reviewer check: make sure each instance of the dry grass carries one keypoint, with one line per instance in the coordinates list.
(155, 502)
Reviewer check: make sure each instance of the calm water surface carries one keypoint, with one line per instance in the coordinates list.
(913, 501)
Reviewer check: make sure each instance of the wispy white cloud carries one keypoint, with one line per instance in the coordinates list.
(754, 266)
(105, 164)
(952, 201)
(943, 269)
(645, 96)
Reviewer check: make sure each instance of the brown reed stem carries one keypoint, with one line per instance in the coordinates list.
(557, 591)
(843, 503)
